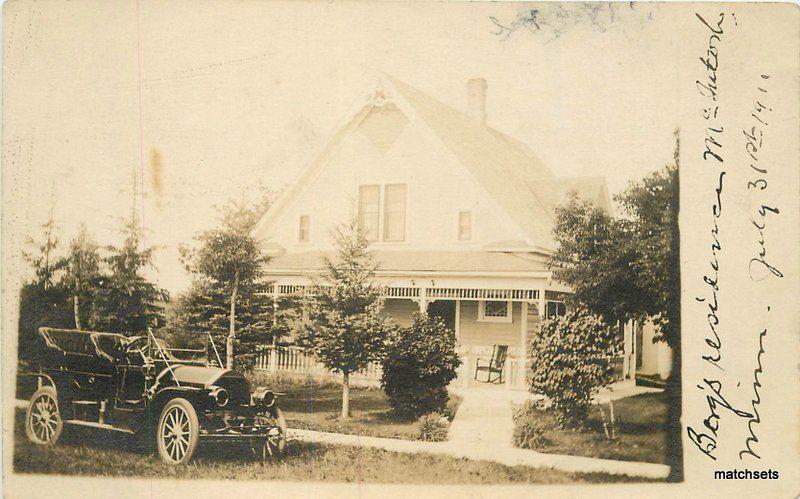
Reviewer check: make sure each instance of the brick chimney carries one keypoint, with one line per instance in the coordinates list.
(476, 99)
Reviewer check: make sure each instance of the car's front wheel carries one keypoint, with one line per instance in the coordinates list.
(275, 445)
(43, 422)
(178, 431)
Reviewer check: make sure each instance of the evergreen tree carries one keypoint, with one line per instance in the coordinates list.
(342, 325)
(228, 265)
(125, 301)
(81, 274)
(43, 300)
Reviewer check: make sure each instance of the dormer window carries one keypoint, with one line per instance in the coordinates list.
(464, 225)
(303, 233)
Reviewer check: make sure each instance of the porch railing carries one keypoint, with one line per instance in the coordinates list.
(298, 360)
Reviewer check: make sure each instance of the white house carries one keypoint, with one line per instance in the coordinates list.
(459, 215)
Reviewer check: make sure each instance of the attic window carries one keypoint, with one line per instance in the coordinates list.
(464, 225)
(303, 233)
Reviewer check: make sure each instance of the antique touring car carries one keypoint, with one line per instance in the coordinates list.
(138, 385)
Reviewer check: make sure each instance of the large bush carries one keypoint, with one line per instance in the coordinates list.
(570, 360)
(420, 362)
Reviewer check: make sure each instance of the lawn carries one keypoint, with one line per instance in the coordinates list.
(641, 432)
(83, 451)
(317, 406)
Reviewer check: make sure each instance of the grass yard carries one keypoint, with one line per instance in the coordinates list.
(317, 406)
(641, 432)
(83, 451)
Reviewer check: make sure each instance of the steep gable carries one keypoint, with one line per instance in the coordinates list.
(507, 169)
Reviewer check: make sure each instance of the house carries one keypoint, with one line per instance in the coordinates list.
(459, 214)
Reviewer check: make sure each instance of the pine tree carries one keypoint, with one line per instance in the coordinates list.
(228, 266)
(42, 298)
(125, 301)
(81, 274)
(342, 325)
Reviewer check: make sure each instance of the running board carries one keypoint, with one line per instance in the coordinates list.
(92, 424)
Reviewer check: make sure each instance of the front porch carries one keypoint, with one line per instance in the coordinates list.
(480, 318)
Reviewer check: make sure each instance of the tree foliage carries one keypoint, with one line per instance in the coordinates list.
(342, 325)
(125, 300)
(625, 268)
(81, 275)
(570, 362)
(228, 268)
(420, 361)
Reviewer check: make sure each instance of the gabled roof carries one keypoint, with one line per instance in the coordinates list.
(508, 169)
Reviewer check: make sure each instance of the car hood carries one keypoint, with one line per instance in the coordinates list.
(200, 375)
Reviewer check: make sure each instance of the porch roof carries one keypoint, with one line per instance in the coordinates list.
(421, 261)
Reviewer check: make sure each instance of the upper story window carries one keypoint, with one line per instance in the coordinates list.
(369, 206)
(303, 233)
(394, 212)
(494, 311)
(464, 225)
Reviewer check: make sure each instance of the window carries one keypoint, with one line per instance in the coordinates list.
(303, 231)
(555, 309)
(394, 212)
(494, 311)
(369, 205)
(464, 225)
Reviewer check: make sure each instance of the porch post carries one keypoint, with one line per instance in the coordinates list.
(523, 342)
(458, 321)
(423, 300)
(542, 305)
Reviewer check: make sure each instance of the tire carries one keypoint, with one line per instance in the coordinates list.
(278, 444)
(177, 432)
(43, 423)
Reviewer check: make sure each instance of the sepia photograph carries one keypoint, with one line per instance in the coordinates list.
(385, 243)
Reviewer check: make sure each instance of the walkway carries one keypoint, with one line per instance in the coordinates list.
(482, 430)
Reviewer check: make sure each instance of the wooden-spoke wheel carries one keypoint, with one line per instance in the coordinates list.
(275, 445)
(178, 431)
(43, 422)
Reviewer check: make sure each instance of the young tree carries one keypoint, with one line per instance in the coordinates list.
(342, 325)
(81, 274)
(228, 264)
(43, 300)
(125, 301)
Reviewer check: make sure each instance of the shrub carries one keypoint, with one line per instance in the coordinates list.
(419, 363)
(433, 427)
(531, 425)
(570, 363)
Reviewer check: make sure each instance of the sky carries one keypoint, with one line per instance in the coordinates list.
(198, 102)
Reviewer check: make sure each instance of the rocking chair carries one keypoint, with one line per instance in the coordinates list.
(493, 366)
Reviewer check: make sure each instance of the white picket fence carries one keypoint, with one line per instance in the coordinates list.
(297, 360)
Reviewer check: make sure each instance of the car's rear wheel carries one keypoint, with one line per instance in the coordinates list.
(177, 431)
(43, 424)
